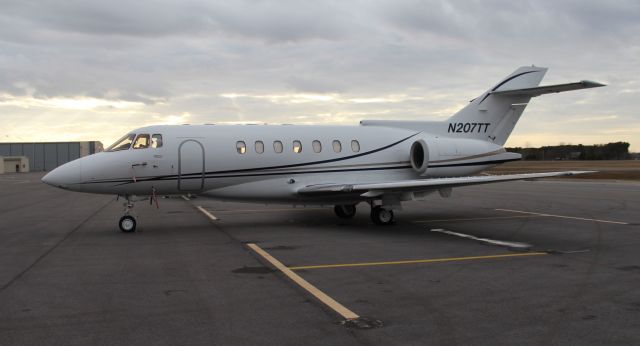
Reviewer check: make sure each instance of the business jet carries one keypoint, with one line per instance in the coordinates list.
(380, 162)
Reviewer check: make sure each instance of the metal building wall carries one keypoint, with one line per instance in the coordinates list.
(50, 156)
(47, 156)
(74, 150)
(37, 163)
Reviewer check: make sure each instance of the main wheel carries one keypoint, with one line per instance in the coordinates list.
(345, 211)
(127, 224)
(381, 216)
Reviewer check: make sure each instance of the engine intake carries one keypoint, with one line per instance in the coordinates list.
(419, 156)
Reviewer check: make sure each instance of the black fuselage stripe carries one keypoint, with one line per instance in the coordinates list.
(479, 163)
(301, 164)
(200, 174)
(315, 162)
(475, 163)
(275, 173)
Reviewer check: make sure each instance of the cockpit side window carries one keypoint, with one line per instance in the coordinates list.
(142, 142)
(156, 140)
(123, 143)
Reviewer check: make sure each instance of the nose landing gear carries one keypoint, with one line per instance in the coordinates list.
(127, 223)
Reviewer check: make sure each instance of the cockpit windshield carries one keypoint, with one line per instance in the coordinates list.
(142, 142)
(123, 143)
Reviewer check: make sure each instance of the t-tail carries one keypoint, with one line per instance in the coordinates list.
(493, 115)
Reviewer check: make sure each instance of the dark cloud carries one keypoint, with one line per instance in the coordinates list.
(177, 56)
(128, 18)
(275, 21)
(282, 21)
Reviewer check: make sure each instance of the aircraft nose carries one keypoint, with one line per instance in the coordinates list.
(65, 176)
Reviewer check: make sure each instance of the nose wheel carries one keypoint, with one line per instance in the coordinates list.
(127, 224)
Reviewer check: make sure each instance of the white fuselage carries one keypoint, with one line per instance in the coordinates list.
(208, 159)
(382, 162)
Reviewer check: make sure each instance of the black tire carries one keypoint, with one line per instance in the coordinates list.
(381, 216)
(127, 224)
(345, 211)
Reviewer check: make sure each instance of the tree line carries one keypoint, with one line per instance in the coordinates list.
(609, 151)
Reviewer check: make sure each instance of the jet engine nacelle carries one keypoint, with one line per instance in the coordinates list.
(439, 151)
(419, 156)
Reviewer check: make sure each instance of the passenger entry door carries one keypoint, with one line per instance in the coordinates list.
(190, 165)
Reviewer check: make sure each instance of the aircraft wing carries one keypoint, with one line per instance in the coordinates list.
(380, 188)
(548, 89)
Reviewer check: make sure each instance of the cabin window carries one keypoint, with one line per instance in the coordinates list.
(241, 147)
(355, 146)
(142, 142)
(259, 146)
(317, 146)
(156, 141)
(277, 146)
(337, 146)
(123, 143)
(297, 146)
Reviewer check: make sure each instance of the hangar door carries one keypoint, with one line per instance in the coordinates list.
(190, 165)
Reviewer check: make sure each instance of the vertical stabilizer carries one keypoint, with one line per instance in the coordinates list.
(492, 117)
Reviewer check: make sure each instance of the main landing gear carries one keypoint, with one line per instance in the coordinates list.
(345, 211)
(379, 215)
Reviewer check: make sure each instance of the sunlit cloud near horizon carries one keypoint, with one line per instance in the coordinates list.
(95, 71)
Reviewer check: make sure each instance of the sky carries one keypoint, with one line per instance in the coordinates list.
(94, 70)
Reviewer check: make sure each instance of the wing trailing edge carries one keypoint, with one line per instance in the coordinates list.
(367, 189)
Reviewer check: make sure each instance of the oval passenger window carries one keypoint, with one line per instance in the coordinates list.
(241, 147)
(259, 146)
(337, 146)
(277, 146)
(317, 146)
(355, 146)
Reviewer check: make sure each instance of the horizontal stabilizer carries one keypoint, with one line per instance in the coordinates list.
(548, 89)
(422, 184)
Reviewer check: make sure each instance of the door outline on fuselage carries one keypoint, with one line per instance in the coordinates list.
(184, 186)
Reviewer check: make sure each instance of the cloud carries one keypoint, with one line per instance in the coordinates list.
(321, 62)
(596, 118)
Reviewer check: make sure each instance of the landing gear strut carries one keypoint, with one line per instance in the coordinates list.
(127, 223)
(381, 216)
(345, 211)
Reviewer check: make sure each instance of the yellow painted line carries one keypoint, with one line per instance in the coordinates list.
(185, 198)
(478, 218)
(266, 210)
(563, 216)
(433, 260)
(325, 299)
(208, 214)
